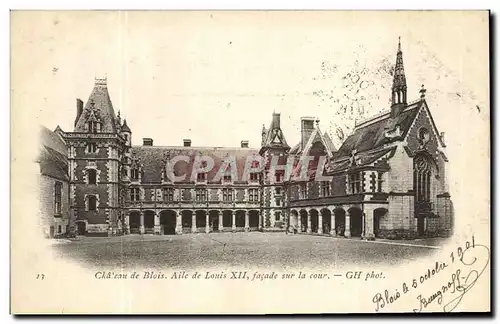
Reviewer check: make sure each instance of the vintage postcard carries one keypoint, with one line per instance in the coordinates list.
(250, 162)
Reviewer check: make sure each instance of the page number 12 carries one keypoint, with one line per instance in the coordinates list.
(40, 276)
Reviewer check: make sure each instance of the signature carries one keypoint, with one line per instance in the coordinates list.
(468, 262)
(473, 260)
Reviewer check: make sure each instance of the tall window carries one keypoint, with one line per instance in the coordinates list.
(92, 176)
(277, 191)
(325, 188)
(422, 171)
(253, 195)
(92, 200)
(380, 181)
(134, 174)
(227, 178)
(278, 202)
(57, 197)
(279, 177)
(202, 176)
(201, 194)
(168, 194)
(91, 147)
(92, 126)
(303, 191)
(227, 194)
(277, 216)
(254, 176)
(355, 182)
(134, 194)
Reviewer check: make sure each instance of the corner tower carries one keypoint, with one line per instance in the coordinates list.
(95, 151)
(274, 150)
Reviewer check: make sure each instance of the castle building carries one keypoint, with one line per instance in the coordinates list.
(387, 179)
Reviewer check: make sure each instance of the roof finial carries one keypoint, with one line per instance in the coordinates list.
(399, 44)
(422, 92)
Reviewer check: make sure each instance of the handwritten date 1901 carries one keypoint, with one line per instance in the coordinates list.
(454, 277)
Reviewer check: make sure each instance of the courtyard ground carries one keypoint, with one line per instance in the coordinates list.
(253, 249)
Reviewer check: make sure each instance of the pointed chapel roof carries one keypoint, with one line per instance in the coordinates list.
(100, 106)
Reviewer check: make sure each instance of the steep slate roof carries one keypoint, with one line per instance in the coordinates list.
(102, 102)
(329, 142)
(370, 135)
(364, 158)
(52, 156)
(153, 159)
(326, 139)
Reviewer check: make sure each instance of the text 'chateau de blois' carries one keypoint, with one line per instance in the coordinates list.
(388, 178)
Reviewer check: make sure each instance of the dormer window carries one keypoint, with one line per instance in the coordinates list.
(227, 178)
(279, 177)
(134, 174)
(91, 147)
(254, 176)
(93, 126)
(202, 176)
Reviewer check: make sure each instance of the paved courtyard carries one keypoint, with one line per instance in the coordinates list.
(254, 249)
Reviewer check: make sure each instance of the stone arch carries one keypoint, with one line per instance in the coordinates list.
(227, 219)
(134, 221)
(378, 215)
(186, 220)
(213, 216)
(168, 221)
(356, 221)
(339, 215)
(201, 218)
(240, 219)
(253, 219)
(327, 220)
(294, 218)
(302, 220)
(149, 221)
(314, 220)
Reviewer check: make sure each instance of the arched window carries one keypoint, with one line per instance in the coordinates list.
(422, 171)
(92, 176)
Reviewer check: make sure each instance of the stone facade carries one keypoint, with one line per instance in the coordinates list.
(388, 179)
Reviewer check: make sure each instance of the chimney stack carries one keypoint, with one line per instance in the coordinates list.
(79, 109)
(147, 141)
(306, 129)
(276, 120)
(187, 142)
(244, 144)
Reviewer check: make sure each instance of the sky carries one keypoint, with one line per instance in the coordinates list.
(217, 77)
